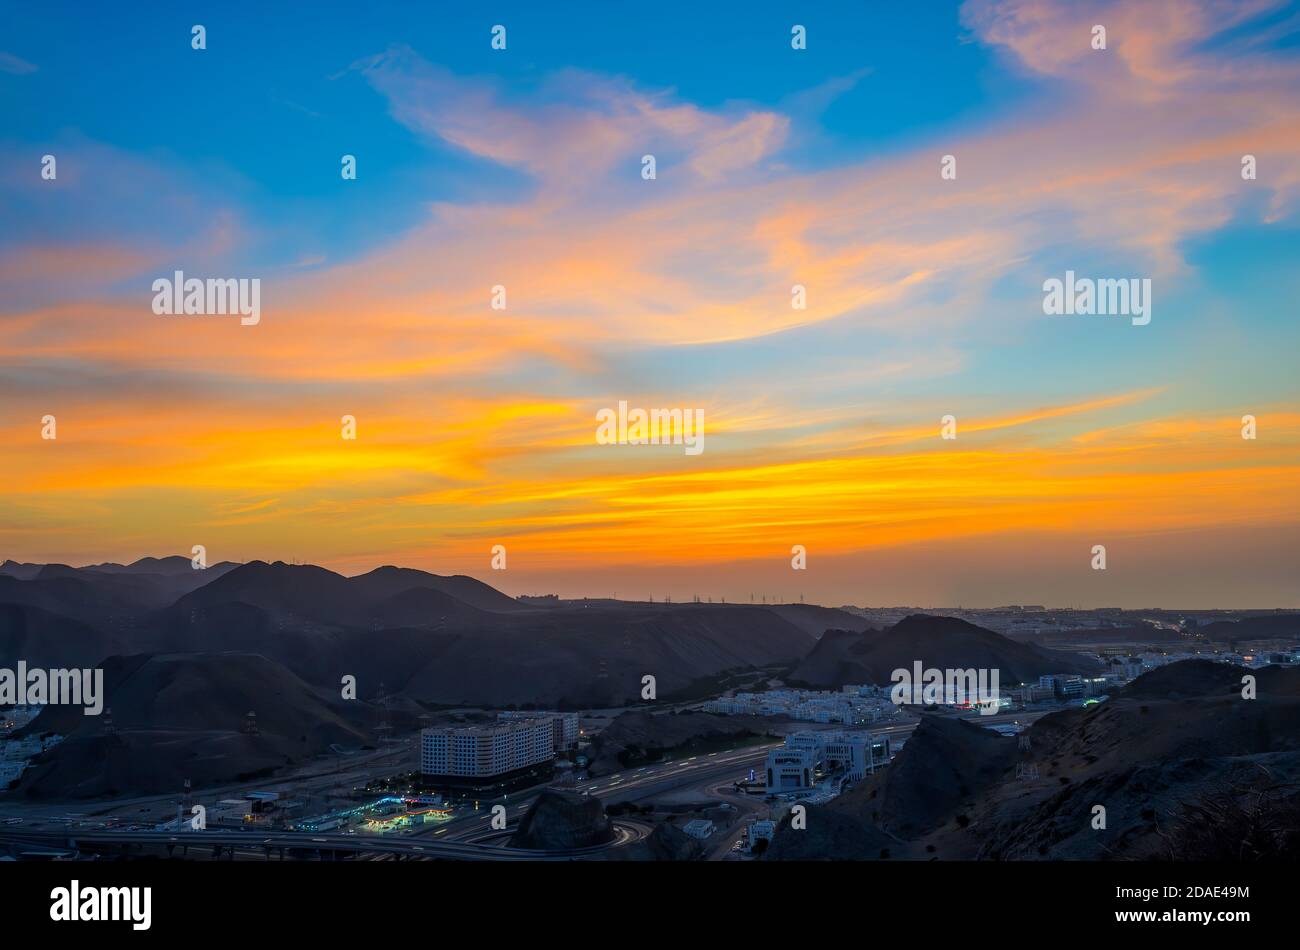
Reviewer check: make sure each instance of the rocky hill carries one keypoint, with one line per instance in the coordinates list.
(561, 820)
(842, 657)
(1179, 742)
(439, 640)
(184, 716)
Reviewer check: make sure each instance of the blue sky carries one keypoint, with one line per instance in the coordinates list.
(776, 166)
(276, 86)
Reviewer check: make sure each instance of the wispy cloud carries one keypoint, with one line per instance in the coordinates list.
(478, 423)
(15, 65)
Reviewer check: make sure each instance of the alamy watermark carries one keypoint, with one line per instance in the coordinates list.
(651, 427)
(37, 687)
(1128, 297)
(935, 687)
(216, 296)
(78, 903)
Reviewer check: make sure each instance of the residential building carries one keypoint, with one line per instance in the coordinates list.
(851, 706)
(762, 829)
(482, 751)
(699, 828)
(564, 725)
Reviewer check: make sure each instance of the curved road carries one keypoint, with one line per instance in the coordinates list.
(465, 838)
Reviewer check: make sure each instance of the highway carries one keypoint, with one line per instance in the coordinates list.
(461, 838)
(321, 774)
(465, 837)
(333, 844)
(705, 772)
(630, 786)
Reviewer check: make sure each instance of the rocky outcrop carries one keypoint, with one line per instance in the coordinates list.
(561, 821)
(830, 835)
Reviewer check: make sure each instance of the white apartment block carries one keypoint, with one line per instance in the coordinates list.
(485, 751)
(565, 725)
(852, 706)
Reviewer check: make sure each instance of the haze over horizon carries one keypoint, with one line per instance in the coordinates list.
(775, 167)
(679, 588)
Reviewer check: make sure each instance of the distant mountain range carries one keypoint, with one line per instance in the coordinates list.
(434, 638)
(187, 653)
(456, 640)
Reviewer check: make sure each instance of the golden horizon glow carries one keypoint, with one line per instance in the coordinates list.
(476, 426)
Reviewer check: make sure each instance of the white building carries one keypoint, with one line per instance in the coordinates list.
(805, 740)
(850, 751)
(565, 725)
(854, 753)
(16, 717)
(790, 769)
(485, 751)
(16, 755)
(763, 829)
(851, 706)
(699, 828)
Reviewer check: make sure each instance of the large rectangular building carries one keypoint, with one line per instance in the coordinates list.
(790, 769)
(565, 725)
(486, 751)
(793, 767)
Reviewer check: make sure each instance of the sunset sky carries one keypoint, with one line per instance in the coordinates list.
(522, 167)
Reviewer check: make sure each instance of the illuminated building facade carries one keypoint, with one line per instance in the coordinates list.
(486, 751)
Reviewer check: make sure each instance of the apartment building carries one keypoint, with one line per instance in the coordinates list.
(564, 725)
(487, 750)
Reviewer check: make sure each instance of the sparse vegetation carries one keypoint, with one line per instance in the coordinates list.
(1259, 823)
